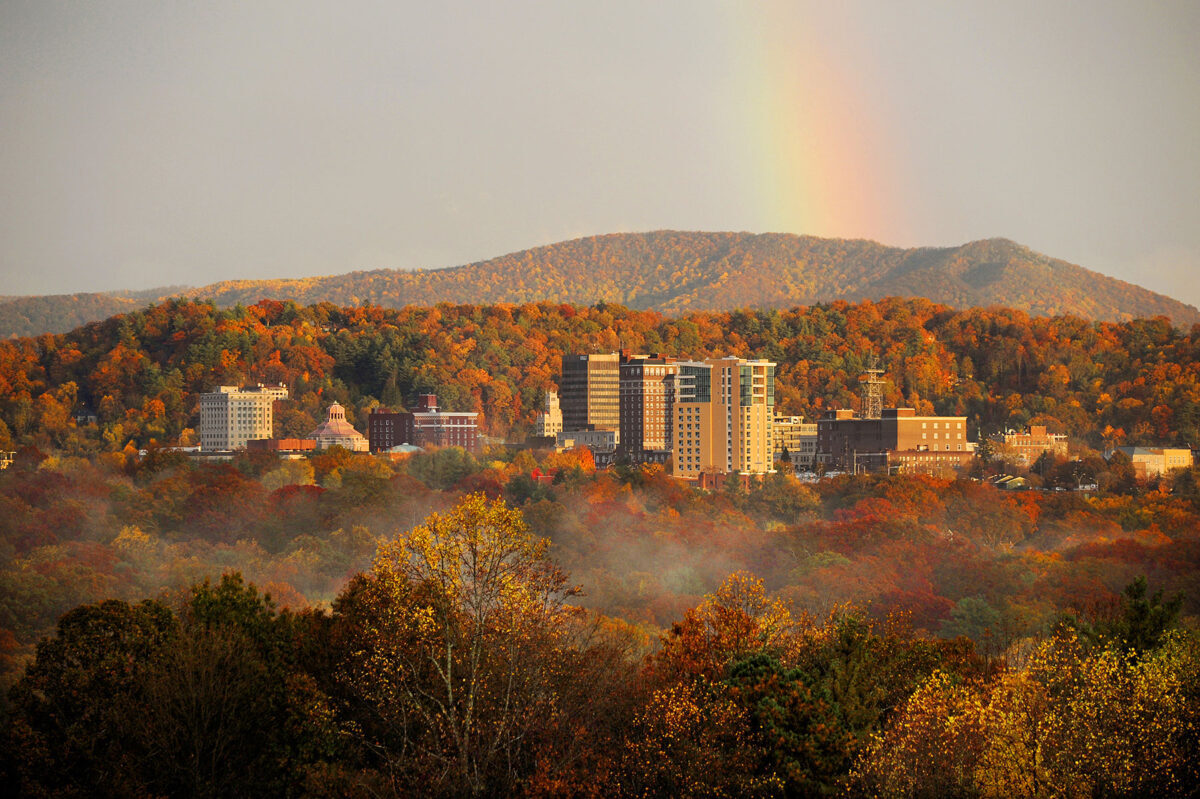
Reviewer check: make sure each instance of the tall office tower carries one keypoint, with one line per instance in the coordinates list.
(723, 414)
(647, 390)
(231, 416)
(590, 392)
(550, 421)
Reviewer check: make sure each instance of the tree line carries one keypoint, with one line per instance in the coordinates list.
(140, 373)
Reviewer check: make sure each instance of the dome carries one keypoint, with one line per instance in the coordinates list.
(336, 431)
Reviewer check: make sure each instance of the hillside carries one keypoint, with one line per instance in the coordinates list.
(1131, 382)
(675, 272)
(58, 313)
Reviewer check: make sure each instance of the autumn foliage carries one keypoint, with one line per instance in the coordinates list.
(869, 634)
(140, 373)
(459, 665)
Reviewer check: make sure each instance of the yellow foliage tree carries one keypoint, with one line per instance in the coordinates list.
(465, 641)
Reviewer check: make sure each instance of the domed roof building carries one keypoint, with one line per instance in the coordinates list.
(337, 432)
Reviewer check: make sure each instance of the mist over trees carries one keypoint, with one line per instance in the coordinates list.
(457, 665)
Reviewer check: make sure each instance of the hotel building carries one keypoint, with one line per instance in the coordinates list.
(231, 416)
(722, 417)
(647, 393)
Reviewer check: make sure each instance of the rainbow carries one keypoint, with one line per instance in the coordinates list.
(820, 160)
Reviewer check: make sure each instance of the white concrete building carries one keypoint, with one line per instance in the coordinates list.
(231, 416)
(550, 421)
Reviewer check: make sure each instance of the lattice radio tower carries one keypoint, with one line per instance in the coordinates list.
(873, 397)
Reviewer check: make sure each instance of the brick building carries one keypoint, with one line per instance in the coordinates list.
(898, 440)
(425, 426)
(647, 393)
(1025, 448)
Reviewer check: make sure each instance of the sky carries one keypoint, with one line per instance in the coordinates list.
(148, 144)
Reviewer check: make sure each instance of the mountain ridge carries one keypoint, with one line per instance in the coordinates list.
(675, 272)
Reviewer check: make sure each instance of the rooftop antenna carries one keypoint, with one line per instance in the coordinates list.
(873, 398)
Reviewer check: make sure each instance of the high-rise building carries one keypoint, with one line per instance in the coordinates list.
(231, 416)
(590, 392)
(647, 393)
(549, 422)
(723, 414)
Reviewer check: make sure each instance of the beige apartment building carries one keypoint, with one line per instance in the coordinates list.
(723, 414)
(231, 416)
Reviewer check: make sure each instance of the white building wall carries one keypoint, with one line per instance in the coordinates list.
(231, 416)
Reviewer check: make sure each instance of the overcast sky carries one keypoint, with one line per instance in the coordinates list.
(152, 143)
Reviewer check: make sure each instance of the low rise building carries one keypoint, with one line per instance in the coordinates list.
(1023, 449)
(281, 445)
(1150, 462)
(335, 431)
(425, 426)
(897, 441)
(797, 438)
(598, 441)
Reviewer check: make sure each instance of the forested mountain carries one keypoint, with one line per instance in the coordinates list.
(675, 272)
(58, 313)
